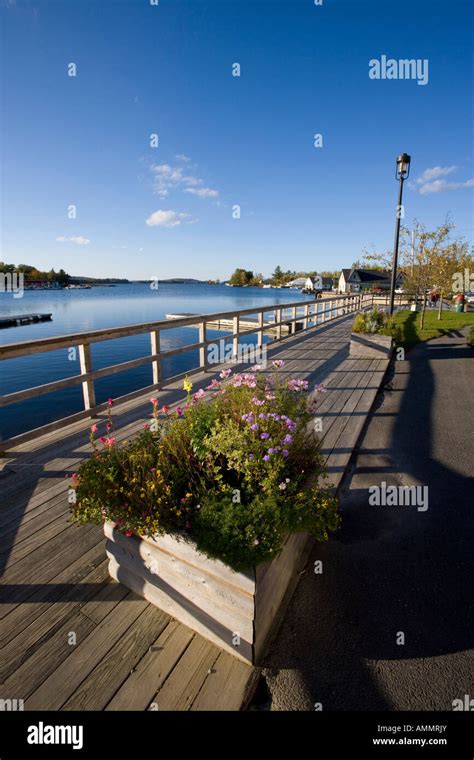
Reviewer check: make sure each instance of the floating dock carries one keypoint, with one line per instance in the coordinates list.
(227, 324)
(23, 319)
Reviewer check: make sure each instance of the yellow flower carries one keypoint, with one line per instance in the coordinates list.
(187, 385)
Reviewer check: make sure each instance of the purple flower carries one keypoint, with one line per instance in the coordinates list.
(251, 456)
(257, 401)
(264, 436)
(254, 426)
(288, 439)
(285, 452)
(278, 363)
(266, 458)
(263, 416)
(272, 451)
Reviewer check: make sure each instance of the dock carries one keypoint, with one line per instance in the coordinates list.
(23, 319)
(246, 323)
(126, 653)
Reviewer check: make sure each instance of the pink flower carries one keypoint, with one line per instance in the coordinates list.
(110, 402)
(297, 385)
(129, 532)
(225, 373)
(257, 401)
(94, 428)
(109, 441)
(320, 388)
(213, 385)
(165, 408)
(154, 401)
(199, 394)
(179, 411)
(109, 426)
(278, 363)
(256, 368)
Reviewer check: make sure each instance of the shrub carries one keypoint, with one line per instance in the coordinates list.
(236, 469)
(375, 322)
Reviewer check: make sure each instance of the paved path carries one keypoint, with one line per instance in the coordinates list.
(394, 569)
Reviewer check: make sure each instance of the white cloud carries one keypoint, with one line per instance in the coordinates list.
(162, 218)
(202, 192)
(440, 185)
(77, 240)
(431, 181)
(182, 157)
(434, 173)
(167, 178)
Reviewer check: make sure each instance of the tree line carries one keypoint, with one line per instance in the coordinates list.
(31, 273)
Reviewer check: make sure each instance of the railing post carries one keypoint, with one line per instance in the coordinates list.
(279, 318)
(293, 320)
(155, 350)
(202, 350)
(85, 360)
(235, 339)
(306, 314)
(260, 329)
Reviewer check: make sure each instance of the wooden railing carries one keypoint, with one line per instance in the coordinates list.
(288, 315)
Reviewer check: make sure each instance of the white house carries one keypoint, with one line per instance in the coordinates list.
(357, 280)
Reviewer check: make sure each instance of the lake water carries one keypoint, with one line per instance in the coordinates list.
(101, 307)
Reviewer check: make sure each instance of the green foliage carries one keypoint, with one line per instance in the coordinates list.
(31, 273)
(375, 322)
(236, 471)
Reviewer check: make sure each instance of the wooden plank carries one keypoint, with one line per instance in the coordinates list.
(273, 586)
(52, 653)
(67, 585)
(72, 671)
(101, 684)
(44, 626)
(183, 609)
(46, 562)
(38, 532)
(182, 686)
(228, 686)
(139, 689)
(180, 574)
(185, 550)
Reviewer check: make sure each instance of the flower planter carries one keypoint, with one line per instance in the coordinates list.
(370, 346)
(237, 611)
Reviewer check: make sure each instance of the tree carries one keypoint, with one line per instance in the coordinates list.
(277, 274)
(241, 277)
(431, 263)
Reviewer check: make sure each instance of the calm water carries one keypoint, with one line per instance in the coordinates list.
(83, 310)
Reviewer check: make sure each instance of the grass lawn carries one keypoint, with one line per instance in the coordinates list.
(408, 323)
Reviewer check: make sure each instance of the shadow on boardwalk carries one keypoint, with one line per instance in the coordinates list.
(393, 569)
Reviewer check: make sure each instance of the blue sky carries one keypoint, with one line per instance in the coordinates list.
(147, 212)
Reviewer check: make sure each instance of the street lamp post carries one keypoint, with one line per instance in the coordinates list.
(402, 172)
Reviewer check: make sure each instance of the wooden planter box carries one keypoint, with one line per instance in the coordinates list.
(237, 611)
(370, 346)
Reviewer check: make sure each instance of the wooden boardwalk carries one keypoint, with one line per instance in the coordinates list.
(70, 637)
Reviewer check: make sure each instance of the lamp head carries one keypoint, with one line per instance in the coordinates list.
(403, 166)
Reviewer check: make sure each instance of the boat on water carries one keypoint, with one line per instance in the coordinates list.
(78, 287)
